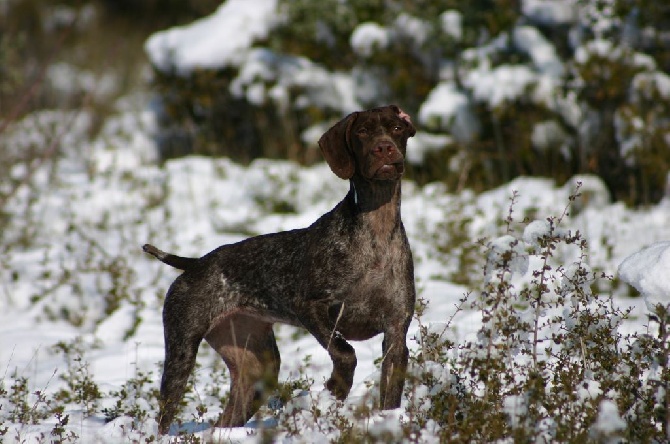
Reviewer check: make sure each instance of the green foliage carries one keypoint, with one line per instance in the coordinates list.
(455, 243)
(137, 398)
(81, 388)
(22, 405)
(59, 431)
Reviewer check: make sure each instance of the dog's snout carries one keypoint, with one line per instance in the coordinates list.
(384, 148)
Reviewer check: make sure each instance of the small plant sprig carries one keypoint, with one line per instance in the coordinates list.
(24, 406)
(133, 398)
(59, 430)
(3, 394)
(81, 388)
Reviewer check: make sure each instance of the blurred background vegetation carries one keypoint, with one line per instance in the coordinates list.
(622, 132)
(102, 37)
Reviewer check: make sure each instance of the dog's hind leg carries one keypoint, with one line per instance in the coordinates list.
(248, 347)
(181, 347)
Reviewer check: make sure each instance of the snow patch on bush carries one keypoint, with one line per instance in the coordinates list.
(368, 37)
(267, 75)
(543, 54)
(609, 420)
(216, 41)
(550, 12)
(506, 252)
(501, 84)
(423, 143)
(452, 24)
(412, 28)
(448, 108)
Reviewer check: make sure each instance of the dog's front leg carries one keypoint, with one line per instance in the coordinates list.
(394, 367)
(316, 320)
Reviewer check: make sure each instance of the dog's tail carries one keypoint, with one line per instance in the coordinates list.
(179, 262)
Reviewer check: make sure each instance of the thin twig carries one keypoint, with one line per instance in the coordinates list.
(332, 333)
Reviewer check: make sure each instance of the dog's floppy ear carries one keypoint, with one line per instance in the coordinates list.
(404, 116)
(335, 145)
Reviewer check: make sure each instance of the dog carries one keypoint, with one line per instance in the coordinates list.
(347, 277)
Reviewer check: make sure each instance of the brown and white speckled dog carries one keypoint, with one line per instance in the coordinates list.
(348, 276)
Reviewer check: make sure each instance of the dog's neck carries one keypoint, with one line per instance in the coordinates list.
(377, 202)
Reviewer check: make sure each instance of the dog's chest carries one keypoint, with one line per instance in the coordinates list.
(378, 269)
(377, 296)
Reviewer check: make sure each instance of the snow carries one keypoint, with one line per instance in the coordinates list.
(447, 108)
(496, 85)
(266, 75)
(588, 192)
(506, 249)
(412, 28)
(216, 41)
(60, 76)
(452, 24)
(547, 135)
(529, 40)
(368, 37)
(536, 231)
(550, 12)
(516, 407)
(649, 84)
(648, 270)
(602, 48)
(423, 143)
(609, 420)
(500, 84)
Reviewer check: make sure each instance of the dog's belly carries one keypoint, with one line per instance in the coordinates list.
(272, 317)
(355, 322)
(357, 331)
(224, 322)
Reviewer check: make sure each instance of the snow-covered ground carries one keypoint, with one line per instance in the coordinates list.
(73, 244)
(72, 265)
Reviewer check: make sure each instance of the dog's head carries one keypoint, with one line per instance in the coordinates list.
(370, 143)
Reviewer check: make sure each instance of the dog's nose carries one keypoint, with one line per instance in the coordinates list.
(384, 148)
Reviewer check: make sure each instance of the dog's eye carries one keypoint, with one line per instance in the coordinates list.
(362, 132)
(397, 129)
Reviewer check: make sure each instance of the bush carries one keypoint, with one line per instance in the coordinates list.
(549, 362)
(205, 112)
(542, 95)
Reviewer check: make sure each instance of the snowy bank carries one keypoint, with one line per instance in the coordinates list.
(648, 270)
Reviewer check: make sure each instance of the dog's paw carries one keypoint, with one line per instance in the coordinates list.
(338, 387)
